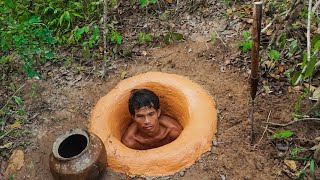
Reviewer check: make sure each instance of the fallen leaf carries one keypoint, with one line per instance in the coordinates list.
(7, 146)
(249, 21)
(267, 89)
(17, 124)
(317, 31)
(315, 147)
(291, 164)
(316, 94)
(283, 134)
(311, 89)
(298, 88)
(144, 53)
(229, 11)
(123, 74)
(316, 154)
(269, 32)
(276, 76)
(268, 63)
(281, 68)
(16, 161)
(101, 49)
(247, 9)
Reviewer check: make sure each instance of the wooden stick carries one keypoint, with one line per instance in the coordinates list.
(105, 10)
(256, 31)
(265, 129)
(292, 122)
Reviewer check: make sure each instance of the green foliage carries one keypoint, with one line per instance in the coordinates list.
(24, 34)
(274, 55)
(228, 2)
(300, 174)
(312, 167)
(14, 109)
(116, 37)
(144, 3)
(18, 100)
(246, 45)
(64, 17)
(33, 92)
(94, 37)
(283, 134)
(297, 104)
(172, 37)
(212, 38)
(306, 68)
(165, 15)
(144, 38)
(293, 47)
(295, 151)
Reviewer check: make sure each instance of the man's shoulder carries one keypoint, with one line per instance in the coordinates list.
(172, 125)
(169, 122)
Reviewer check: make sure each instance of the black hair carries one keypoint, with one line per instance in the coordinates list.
(142, 97)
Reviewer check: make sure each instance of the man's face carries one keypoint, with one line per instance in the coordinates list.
(147, 118)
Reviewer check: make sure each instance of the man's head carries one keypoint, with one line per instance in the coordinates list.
(142, 97)
(144, 109)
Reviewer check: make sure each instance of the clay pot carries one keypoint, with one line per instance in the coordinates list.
(77, 155)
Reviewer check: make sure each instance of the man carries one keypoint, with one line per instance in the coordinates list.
(150, 129)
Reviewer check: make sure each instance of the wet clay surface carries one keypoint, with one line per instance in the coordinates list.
(61, 108)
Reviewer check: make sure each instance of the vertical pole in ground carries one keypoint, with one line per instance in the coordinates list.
(256, 29)
(105, 10)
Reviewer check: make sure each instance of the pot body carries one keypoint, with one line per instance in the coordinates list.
(90, 164)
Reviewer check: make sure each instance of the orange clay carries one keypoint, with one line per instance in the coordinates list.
(181, 99)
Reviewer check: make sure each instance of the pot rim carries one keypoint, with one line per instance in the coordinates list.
(63, 137)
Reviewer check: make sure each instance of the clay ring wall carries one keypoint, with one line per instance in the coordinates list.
(180, 98)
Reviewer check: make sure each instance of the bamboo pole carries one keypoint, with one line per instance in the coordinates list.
(105, 11)
(256, 30)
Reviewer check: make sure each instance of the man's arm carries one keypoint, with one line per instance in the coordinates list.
(128, 137)
(129, 143)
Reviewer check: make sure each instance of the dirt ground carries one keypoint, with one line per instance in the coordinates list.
(61, 107)
(65, 98)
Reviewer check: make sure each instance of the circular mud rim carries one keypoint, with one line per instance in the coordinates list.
(182, 98)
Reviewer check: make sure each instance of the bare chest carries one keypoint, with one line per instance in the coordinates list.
(154, 142)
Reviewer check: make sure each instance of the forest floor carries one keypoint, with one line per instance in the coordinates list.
(65, 98)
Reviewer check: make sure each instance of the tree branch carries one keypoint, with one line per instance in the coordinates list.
(308, 44)
(292, 122)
